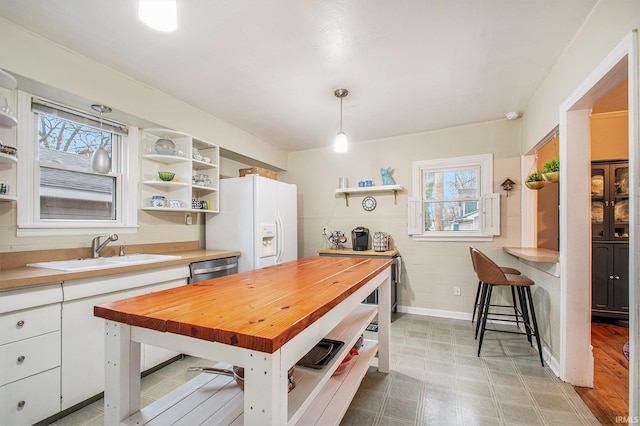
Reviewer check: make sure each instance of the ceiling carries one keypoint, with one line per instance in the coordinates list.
(271, 67)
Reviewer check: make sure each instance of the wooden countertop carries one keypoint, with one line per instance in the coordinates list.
(260, 310)
(23, 276)
(359, 252)
(534, 254)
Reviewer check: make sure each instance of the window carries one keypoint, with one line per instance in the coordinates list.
(452, 200)
(59, 193)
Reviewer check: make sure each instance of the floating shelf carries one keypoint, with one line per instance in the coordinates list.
(169, 209)
(8, 159)
(369, 190)
(201, 165)
(165, 184)
(167, 159)
(7, 120)
(204, 188)
(8, 198)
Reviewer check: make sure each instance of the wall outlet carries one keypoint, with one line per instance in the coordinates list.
(324, 230)
(456, 291)
(188, 219)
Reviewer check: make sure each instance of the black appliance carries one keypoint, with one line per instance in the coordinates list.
(360, 239)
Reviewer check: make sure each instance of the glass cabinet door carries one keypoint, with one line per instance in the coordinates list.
(598, 227)
(620, 201)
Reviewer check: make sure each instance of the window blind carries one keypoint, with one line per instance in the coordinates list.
(47, 107)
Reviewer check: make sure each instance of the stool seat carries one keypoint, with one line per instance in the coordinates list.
(518, 280)
(508, 270)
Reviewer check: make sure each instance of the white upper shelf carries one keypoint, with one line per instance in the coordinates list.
(382, 188)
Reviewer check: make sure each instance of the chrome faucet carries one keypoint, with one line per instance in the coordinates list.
(96, 247)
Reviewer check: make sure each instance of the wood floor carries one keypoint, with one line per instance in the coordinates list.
(610, 394)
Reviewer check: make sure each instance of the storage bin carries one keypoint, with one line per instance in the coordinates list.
(260, 172)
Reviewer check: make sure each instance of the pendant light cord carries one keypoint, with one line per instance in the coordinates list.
(101, 138)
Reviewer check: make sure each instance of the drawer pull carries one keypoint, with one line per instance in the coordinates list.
(21, 404)
(21, 359)
(20, 323)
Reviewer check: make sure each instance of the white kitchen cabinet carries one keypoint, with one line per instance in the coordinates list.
(192, 158)
(30, 338)
(83, 334)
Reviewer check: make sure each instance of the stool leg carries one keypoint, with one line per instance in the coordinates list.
(484, 316)
(515, 305)
(475, 304)
(483, 297)
(525, 315)
(535, 324)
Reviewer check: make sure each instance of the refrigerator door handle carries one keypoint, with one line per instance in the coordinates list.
(279, 241)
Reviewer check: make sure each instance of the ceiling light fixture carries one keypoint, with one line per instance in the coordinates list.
(160, 15)
(513, 115)
(341, 144)
(100, 160)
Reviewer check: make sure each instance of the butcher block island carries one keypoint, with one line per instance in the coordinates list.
(263, 320)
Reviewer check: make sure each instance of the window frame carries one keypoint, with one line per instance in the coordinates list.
(488, 202)
(124, 171)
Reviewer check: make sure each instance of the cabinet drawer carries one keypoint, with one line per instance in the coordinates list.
(28, 357)
(20, 325)
(30, 400)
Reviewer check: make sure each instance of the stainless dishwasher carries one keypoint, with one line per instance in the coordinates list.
(215, 268)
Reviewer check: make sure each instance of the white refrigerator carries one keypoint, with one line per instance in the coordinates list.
(258, 218)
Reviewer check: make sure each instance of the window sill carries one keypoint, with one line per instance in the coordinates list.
(93, 230)
(459, 238)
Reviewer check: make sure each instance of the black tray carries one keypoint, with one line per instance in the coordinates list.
(321, 354)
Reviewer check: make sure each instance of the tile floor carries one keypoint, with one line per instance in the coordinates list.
(436, 379)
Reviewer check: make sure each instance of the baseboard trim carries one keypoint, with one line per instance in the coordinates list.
(434, 313)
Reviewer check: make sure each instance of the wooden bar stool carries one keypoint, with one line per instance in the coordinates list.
(506, 270)
(491, 275)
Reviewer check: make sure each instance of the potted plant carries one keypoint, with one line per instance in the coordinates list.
(551, 170)
(535, 181)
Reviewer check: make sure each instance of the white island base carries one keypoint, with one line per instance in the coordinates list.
(318, 398)
(213, 399)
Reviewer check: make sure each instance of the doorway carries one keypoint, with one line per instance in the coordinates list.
(576, 363)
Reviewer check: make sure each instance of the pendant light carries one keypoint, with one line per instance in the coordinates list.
(100, 160)
(341, 144)
(160, 15)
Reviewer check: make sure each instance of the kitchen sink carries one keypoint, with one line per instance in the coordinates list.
(141, 258)
(76, 265)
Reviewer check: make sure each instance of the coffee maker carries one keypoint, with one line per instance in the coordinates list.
(360, 239)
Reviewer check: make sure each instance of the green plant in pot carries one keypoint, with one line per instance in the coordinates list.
(534, 181)
(551, 170)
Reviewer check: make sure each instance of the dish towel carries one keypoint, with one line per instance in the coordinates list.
(625, 350)
(397, 262)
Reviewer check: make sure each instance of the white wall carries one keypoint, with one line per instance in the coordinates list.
(57, 71)
(432, 269)
(75, 74)
(609, 22)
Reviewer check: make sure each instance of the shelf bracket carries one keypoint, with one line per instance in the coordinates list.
(395, 196)
(346, 198)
